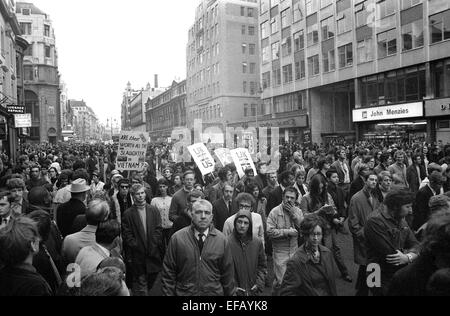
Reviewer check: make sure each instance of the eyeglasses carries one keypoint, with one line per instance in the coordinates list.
(124, 187)
(245, 207)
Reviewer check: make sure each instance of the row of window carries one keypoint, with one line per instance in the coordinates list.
(251, 49)
(249, 87)
(203, 92)
(31, 47)
(246, 69)
(206, 74)
(208, 19)
(27, 29)
(208, 113)
(204, 56)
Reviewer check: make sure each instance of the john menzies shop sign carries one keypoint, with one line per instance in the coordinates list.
(438, 107)
(390, 112)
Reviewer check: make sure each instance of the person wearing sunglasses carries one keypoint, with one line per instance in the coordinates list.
(122, 200)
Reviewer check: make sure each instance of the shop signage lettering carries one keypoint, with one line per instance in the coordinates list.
(389, 112)
(437, 107)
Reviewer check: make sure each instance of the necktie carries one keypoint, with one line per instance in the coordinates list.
(200, 242)
(229, 207)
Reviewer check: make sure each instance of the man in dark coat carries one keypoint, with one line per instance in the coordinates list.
(415, 173)
(390, 242)
(358, 182)
(67, 212)
(421, 210)
(198, 261)
(286, 179)
(222, 208)
(142, 235)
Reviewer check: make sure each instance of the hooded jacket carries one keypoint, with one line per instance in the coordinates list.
(249, 260)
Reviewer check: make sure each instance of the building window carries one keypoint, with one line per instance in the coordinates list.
(277, 77)
(244, 68)
(244, 87)
(47, 30)
(412, 35)
(312, 35)
(311, 6)
(26, 11)
(252, 88)
(361, 14)
(252, 68)
(440, 26)
(48, 51)
(263, 6)
(300, 69)
(265, 29)
(409, 3)
(246, 110)
(365, 50)
(387, 43)
(244, 49)
(441, 77)
(274, 25)
(266, 80)
(26, 28)
(251, 30)
(250, 12)
(344, 21)
(29, 50)
(276, 51)
(243, 29)
(345, 55)
(297, 10)
(313, 65)
(285, 21)
(329, 61)
(286, 46)
(266, 54)
(287, 73)
(252, 49)
(299, 41)
(327, 27)
(242, 11)
(386, 8)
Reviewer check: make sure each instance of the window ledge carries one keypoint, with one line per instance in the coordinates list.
(440, 42)
(346, 67)
(339, 34)
(365, 62)
(314, 76)
(385, 57)
(412, 49)
(329, 72)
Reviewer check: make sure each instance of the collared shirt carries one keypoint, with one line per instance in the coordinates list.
(2, 224)
(197, 233)
(346, 171)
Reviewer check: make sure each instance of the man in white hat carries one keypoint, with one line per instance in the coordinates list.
(67, 212)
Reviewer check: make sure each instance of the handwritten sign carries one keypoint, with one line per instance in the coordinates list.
(202, 158)
(224, 156)
(132, 150)
(22, 120)
(243, 160)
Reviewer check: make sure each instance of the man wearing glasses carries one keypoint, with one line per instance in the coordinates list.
(122, 200)
(246, 202)
(283, 226)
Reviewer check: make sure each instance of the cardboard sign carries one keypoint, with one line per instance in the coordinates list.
(202, 158)
(224, 156)
(132, 150)
(243, 160)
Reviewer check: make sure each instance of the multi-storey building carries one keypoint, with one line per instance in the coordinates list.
(167, 112)
(133, 106)
(12, 46)
(85, 122)
(223, 63)
(357, 69)
(42, 94)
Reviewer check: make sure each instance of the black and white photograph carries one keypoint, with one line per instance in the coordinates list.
(219, 156)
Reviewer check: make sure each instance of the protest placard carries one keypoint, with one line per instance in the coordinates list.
(243, 160)
(132, 151)
(224, 156)
(202, 158)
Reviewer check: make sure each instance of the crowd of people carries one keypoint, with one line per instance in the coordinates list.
(73, 225)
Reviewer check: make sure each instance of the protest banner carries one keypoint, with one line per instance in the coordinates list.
(132, 151)
(243, 160)
(224, 156)
(202, 158)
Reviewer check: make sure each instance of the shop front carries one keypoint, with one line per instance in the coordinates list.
(437, 112)
(399, 123)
